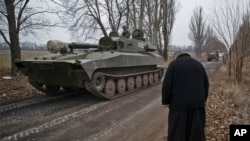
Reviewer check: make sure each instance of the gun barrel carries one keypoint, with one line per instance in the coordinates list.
(82, 45)
(55, 46)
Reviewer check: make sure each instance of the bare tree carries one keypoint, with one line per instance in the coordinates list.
(133, 14)
(212, 42)
(153, 23)
(169, 10)
(118, 14)
(142, 13)
(157, 21)
(88, 18)
(241, 46)
(198, 29)
(226, 19)
(17, 16)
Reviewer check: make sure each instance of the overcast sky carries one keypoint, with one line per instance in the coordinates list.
(181, 28)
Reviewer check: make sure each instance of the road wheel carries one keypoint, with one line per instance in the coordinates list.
(151, 79)
(37, 85)
(138, 81)
(156, 77)
(98, 81)
(121, 86)
(52, 90)
(130, 83)
(67, 88)
(145, 80)
(110, 88)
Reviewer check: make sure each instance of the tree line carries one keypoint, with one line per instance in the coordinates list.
(25, 46)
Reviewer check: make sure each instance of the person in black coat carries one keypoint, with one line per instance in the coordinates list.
(185, 91)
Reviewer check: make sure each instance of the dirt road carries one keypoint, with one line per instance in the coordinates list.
(80, 116)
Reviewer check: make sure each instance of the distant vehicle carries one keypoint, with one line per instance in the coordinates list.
(115, 67)
(221, 54)
(213, 56)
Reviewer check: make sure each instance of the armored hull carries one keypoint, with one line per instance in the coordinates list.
(108, 71)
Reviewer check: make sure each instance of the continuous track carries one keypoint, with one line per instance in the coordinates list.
(109, 86)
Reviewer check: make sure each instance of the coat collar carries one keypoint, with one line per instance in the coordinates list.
(183, 55)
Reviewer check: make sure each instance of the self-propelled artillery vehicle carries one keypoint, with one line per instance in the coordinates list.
(115, 67)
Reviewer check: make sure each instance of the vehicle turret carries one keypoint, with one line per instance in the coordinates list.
(135, 44)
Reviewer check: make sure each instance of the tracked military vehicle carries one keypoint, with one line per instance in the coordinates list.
(115, 67)
(213, 56)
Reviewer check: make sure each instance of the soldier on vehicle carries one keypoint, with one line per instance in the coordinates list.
(125, 32)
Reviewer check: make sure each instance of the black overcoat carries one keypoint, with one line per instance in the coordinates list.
(185, 90)
(185, 84)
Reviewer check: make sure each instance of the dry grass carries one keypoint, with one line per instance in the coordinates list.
(5, 58)
(17, 87)
(228, 103)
